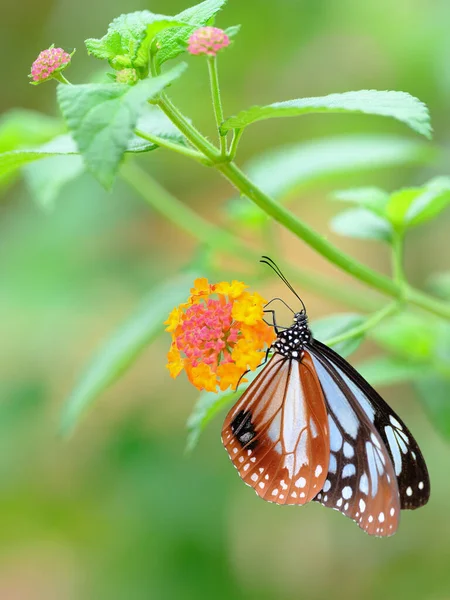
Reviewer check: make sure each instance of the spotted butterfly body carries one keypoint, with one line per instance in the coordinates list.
(309, 427)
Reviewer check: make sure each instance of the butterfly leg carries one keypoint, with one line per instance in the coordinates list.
(274, 322)
(266, 358)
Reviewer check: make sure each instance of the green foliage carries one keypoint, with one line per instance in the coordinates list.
(362, 223)
(283, 171)
(15, 159)
(27, 128)
(50, 166)
(102, 118)
(46, 178)
(129, 38)
(336, 325)
(173, 42)
(398, 105)
(380, 215)
(123, 347)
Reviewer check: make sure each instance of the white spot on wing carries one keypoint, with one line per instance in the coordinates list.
(347, 492)
(394, 421)
(348, 450)
(364, 484)
(348, 470)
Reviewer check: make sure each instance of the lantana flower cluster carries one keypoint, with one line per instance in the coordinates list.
(218, 334)
(49, 64)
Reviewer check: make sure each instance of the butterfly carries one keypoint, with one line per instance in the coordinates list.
(311, 428)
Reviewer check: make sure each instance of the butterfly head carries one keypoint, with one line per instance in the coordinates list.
(300, 318)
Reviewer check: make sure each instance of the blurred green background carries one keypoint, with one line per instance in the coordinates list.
(118, 511)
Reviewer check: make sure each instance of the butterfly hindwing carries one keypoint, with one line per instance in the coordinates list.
(361, 481)
(277, 433)
(409, 465)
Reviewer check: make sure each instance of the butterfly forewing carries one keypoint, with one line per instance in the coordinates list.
(361, 481)
(409, 465)
(277, 434)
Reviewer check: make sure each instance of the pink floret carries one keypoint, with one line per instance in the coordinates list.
(208, 41)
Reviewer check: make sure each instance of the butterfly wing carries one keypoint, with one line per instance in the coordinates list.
(277, 433)
(409, 465)
(361, 481)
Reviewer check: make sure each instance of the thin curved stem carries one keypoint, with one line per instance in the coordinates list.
(184, 150)
(370, 323)
(237, 134)
(217, 101)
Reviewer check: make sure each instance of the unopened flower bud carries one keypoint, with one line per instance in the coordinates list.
(128, 76)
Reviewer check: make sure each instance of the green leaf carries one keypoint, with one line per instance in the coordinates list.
(282, 171)
(408, 336)
(27, 128)
(233, 31)
(129, 37)
(46, 178)
(374, 199)
(120, 351)
(387, 370)
(102, 118)
(173, 42)
(434, 393)
(152, 121)
(208, 405)
(363, 224)
(13, 160)
(336, 325)
(435, 196)
(413, 206)
(398, 105)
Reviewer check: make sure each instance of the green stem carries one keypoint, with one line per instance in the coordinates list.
(303, 231)
(217, 101)
(237, 134)
(206, 232)
(191, 133)
(184, 150)
(370, 323)
(306, 233)
(60, 77)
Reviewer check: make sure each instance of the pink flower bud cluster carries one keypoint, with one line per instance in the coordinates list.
(208, 41)
(48, 62)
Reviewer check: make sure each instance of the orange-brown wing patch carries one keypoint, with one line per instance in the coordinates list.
(277, 433)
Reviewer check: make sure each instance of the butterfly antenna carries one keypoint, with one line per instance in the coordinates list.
(266, 260)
